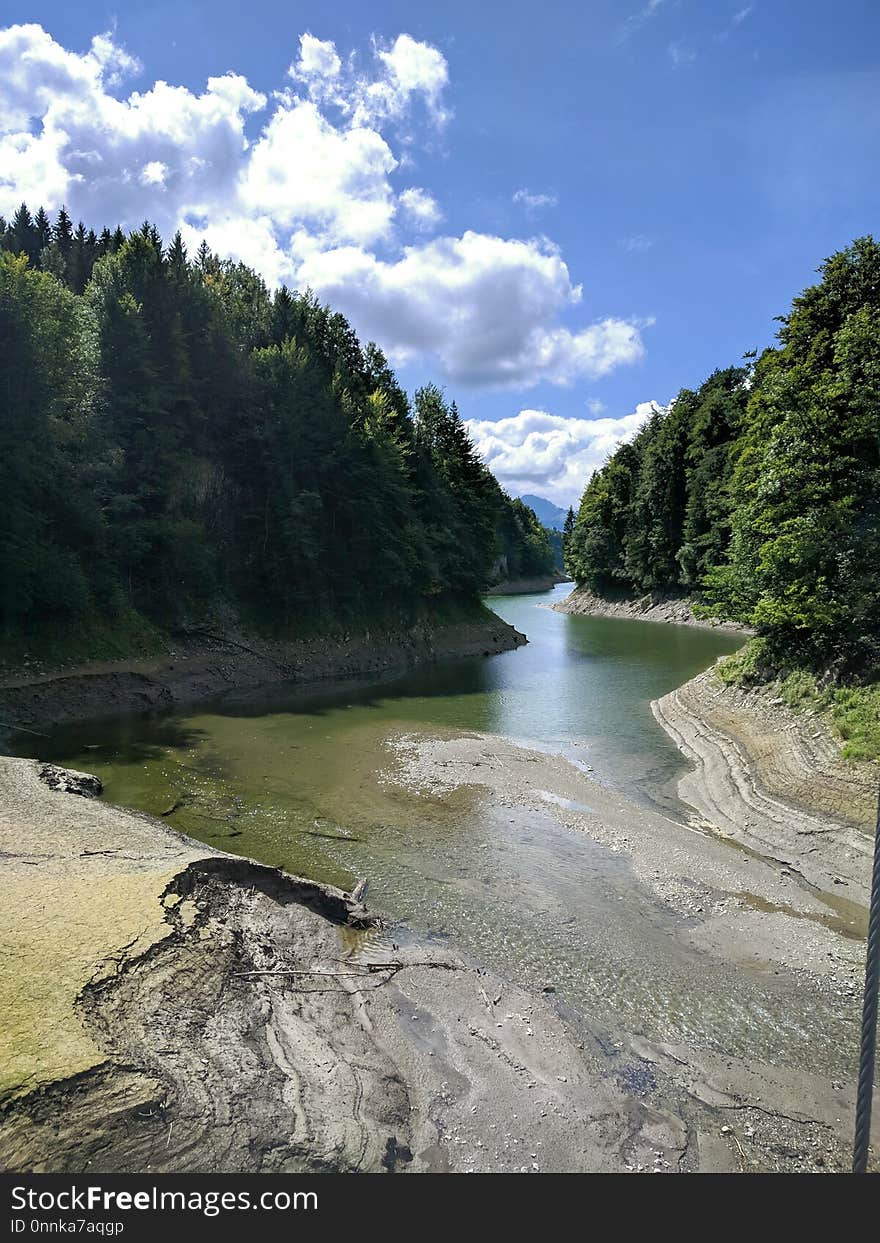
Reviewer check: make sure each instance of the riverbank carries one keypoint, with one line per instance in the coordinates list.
(527, 586)
(702, 994)
(773, 778)
(722, 987)
(168, 1007)
(199, 664)
(651, 607)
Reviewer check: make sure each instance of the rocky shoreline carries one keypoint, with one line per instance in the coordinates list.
(651, 607)
(200, 664)
(527, 586)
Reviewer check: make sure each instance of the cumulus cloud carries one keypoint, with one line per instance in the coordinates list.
(420, 207)
(484, 307)
(302, 186)
(305, 170)
(318, 60)
(550, 455)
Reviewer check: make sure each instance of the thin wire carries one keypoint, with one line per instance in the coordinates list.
(865, 1093)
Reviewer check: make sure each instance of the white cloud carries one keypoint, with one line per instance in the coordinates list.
(64, 137)
(153, 174)
(306, 194)
(420, 207)
(304, 169)
(318, 59)
(412, 69)
(534, 202)
(550, 455)
(485, 308)
(735, 22)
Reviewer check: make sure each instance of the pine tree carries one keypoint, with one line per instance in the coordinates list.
(23, 235)
(42, 230)
(62, 234)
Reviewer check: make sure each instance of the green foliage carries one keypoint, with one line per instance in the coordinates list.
(745, 667)
(855, 713)
(852, 711)
(176, 441)
(799, 688)
(802, 565)
(760, 492)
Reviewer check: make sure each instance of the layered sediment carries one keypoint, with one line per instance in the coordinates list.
(773, 778)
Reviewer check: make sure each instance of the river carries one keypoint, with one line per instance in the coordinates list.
(276, 767)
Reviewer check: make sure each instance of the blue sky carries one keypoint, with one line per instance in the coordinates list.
(560, 223)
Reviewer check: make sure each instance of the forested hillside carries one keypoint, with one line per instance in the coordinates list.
(176, 441)
(759, 494)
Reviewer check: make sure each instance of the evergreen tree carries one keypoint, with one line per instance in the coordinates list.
(23, 235)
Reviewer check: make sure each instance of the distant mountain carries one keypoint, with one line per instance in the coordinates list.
(549, 515)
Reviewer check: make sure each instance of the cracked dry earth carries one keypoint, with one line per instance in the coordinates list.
(171, 1009)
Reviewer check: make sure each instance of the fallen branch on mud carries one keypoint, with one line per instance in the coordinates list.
(368, 969)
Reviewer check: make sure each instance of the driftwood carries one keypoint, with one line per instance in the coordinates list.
(369, 968)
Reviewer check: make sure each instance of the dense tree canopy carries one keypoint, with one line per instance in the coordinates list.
(176, 440)
(760, 492)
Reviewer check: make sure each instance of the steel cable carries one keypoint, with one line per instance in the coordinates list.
(865, 1093)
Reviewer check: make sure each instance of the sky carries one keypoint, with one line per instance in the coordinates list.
(562, 213)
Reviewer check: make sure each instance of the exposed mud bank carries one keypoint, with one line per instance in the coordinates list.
(723, 987)
(169, 1008)
(773, 779)
(199, 665)
(527, 586)
(650, 607)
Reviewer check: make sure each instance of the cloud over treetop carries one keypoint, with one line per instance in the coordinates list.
(311, 185)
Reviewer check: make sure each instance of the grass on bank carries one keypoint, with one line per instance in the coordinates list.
(853, 712)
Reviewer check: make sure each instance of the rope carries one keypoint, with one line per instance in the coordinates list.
(865, 1091)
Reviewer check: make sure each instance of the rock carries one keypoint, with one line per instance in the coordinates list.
(68, 781)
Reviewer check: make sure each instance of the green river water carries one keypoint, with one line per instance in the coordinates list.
(298, 778)
(264, 773)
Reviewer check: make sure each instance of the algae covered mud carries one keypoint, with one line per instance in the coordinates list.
(522, 811)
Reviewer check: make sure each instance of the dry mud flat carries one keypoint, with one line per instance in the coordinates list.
(169, 1008)
(720, 984)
